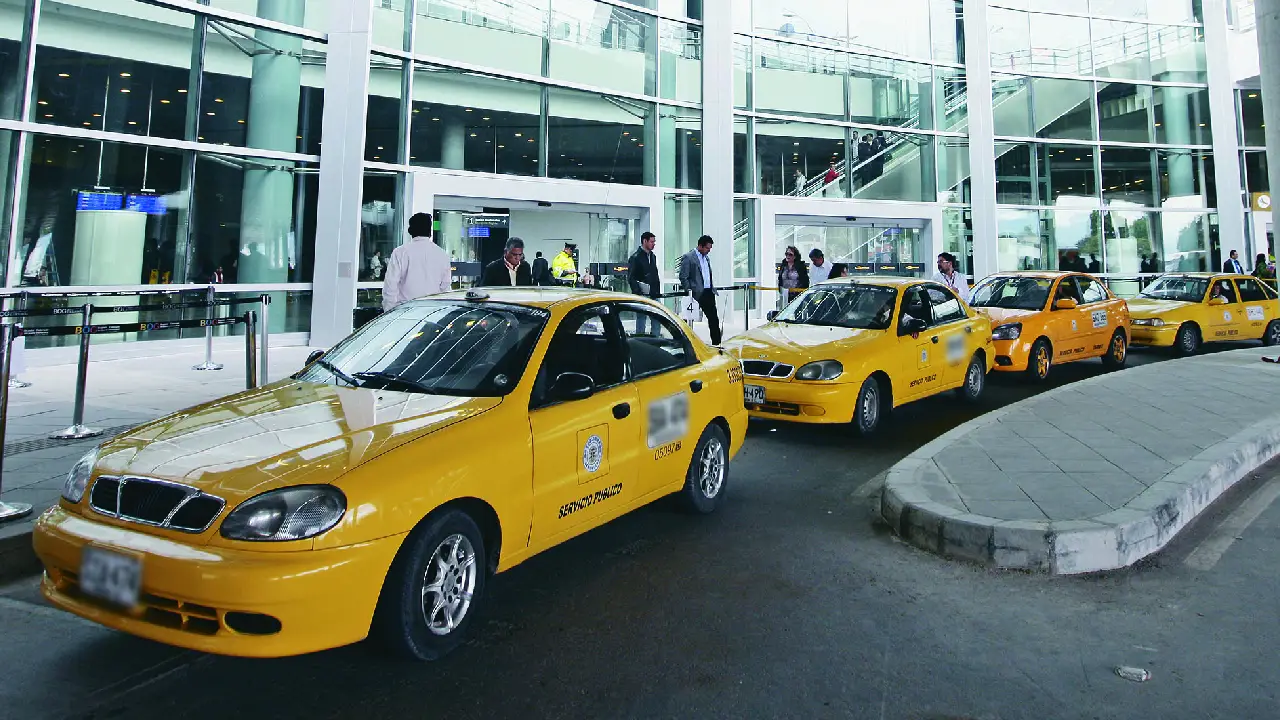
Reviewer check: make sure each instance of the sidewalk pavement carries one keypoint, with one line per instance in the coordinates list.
(1094, 475)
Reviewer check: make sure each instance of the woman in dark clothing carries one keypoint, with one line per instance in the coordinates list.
(793, 278)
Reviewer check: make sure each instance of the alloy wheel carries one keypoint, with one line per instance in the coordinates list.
(449, 584)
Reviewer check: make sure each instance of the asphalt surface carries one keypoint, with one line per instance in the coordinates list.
(790, 601)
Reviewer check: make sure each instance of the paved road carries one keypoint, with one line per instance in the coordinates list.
(790, 602)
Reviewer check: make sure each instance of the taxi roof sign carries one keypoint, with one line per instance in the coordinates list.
(475, 295)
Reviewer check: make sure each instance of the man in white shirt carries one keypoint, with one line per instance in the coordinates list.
(819, 268)
(418, 268)
(947, 275)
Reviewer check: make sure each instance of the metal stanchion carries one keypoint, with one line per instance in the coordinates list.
(8, 511)
(746, 308)
(264, 328)
(78, 431)
(250, 351)
(208, 363)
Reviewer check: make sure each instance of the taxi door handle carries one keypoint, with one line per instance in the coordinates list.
(621, 410)
(968, 328)
(696, 386)
(934, 339)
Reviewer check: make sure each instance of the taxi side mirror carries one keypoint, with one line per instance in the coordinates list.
(771, 315)
(1217, 301)
(572, 386)
(911, 324)
(314, 356)
(1065, 304)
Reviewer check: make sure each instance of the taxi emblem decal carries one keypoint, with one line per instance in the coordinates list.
(1226, 315)
(593, 453)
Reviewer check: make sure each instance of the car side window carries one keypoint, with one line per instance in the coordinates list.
(1091, 291)
(1067, 290)
(1250, 290)
(1223, 288)
(915, 304)
(587, 342)
(654, 343)
(946, 306)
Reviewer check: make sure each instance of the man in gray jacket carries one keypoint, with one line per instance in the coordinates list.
(696, 278)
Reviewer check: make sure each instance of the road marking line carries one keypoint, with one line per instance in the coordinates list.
(1211, 550)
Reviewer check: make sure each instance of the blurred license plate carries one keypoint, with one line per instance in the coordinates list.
(110, 576)
(753, 394)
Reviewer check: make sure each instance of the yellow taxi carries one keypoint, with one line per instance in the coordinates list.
(1184, 310)
(374, 492)
(852, 349)
(1040, 319)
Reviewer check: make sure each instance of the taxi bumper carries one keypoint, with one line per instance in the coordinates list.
(804, 402)
(219, 600)
(1011, 355)
(1149, 336)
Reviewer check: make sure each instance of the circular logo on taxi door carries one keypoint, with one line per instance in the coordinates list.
(593, 453)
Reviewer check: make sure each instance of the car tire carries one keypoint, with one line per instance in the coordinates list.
(1040, 361)
(1117, 351)
(869, 410)
(975, 380)
(1187, 341)
(708, 474)
(1272, 334)
(446, 552)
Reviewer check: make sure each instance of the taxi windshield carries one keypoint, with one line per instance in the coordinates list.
(437, 347)
(1018, 293)
(1177, 287)
(862, 307)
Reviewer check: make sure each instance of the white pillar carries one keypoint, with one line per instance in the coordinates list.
(1226, 144)
(1268, 14)
(341, 174)
(982, 145)
(717, 136)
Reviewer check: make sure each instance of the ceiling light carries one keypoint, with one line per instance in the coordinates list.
(211, 114)
(468, 109)
(380, 147)
(377, 157)
(65, 75)
(88, 124)
(133, 122)
(241, 122)
(517, 134)
(217, 99)
(48, 116)
(484, 118)
(1253, 95)
(624, 134)
(97, 114)
(164, 102)
(473, 134)
(124, 90)
(126, 75)
(502, 146)
(435, 119)
(182, 90)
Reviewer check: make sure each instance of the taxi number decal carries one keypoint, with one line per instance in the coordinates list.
(1099, 318)
(668, 419)
(955, 349)
(667, 450)
(589, 500)
(1226, 333)
(1255, 313)
(735, 375)
(923, 380)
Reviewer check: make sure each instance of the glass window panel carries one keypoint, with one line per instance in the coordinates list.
(601, 138)
(1020, 245)
(799, 80)
(743, 180)
(1010, 40)
(903, 31)
(385, 116)
(947, 25)
(1063, 109)
(957, 236)
(649, 4)
(1014, 185)
(1182, 116)
(1184, 176)
(1066, 174)
(25, 243)
(680, 148)
(785, 147)
(1156, 10)
(951, 99)
(1254, 131)
(741, 71)
(390, 21)
(1067, 6)
(887, 92)
(744, 243)
(603, 46)
(12, 26)
(1126, 176)
(470, 31)
(1060, 44)
(1127, 9)
(1011, 98)
(680, 64)
(906, 171)
(380, 223)
(1130, 243)
(464, 121)
(1177, 54)
(1121, 50)
(1124, 112)
(1255, 170)
(312, 14)
(687, 8)
(953, 170)
(684, 227)
(1074, 238)
(820, 21)
(742, 21)
(1184, 240)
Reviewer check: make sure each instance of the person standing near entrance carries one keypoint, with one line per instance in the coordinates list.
(563, 267)
(697, 279)
(642, 274)
(819, 268)
(510, 270)
(947, 275)
(541, 270)
(1232, 265)
(418, 268)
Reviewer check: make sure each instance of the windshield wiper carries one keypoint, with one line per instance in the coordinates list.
(396, 380)
(340, 375)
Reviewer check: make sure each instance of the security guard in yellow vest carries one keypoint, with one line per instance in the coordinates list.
(563, 268)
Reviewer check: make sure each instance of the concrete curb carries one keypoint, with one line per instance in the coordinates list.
(17, 556)
(1107, 542)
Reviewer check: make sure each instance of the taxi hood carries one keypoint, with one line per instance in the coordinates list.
(1149, 307)
(1000, 316)
(288, 433)
(795, 343)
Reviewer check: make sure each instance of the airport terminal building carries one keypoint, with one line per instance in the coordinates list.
(280, 145)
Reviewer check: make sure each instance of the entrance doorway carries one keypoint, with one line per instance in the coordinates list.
(884, 247)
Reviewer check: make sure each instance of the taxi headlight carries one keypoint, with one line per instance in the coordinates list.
(78, 477)
(820, 370)
(1149, 322)
(1012, 331)
(294, 513)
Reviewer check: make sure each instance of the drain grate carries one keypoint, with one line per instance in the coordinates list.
(26, 446)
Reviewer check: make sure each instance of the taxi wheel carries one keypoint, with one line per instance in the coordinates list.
(1272, 335)
(1188, 340)
(1039, 361)
(708, 473)
(433, 589)
(870, 406)
(975, 380)
(1117, 351)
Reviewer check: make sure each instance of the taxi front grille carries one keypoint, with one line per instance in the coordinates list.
(155, 502)
(766, 368)
(777, 408)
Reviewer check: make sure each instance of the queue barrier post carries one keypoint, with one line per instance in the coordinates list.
(263, 327)
(208, 363)
(250, 351)
(8, 331)
(77, 430)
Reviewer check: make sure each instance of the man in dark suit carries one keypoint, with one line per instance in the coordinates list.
(510, 269)
(642, 274)
(697, 280)
(1232, 265)
(541, 270)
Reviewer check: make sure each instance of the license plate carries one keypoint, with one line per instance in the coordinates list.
(110, 576)
(753, 394)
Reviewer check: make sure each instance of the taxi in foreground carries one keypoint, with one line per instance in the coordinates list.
(1184, 310)
(1042, 318)
(851, 350)
(376, 490)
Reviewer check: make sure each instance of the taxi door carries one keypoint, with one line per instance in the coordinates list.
(1225, 322)
(1103, 320)
(1259, 308)
(1070, 327)
(585, 450)
(950, 336)
(919, 357)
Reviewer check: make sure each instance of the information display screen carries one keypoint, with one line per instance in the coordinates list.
(149, 204)
(99, 201)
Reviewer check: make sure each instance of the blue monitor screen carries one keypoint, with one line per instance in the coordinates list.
(99, 201)
(149, 204)
(478, 231)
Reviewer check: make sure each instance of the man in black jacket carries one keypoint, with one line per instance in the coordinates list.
(642, 273)
(510, 269)
(541, 271)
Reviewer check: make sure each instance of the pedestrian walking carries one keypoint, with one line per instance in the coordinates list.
(697, 279)
(418, 268)
(819, 268)
(949, 276)
(793, 275)
(642, 274)
(510, 270)
(541, 270)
